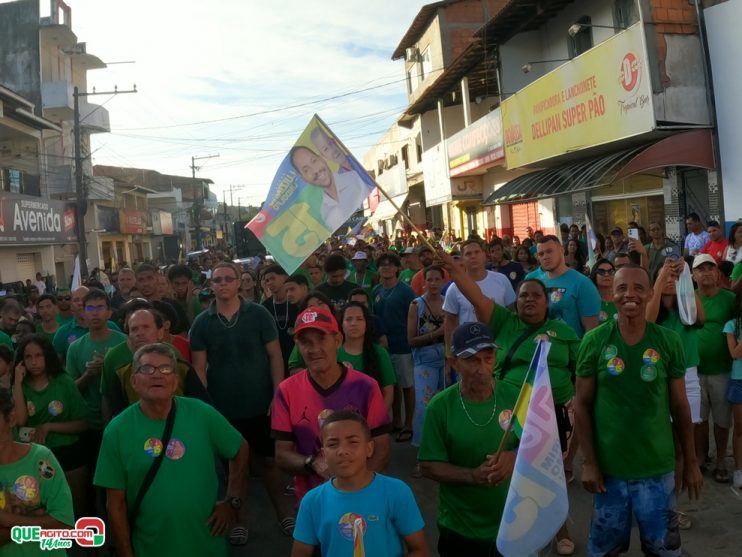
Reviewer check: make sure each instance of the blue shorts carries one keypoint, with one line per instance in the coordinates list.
(651, 501)
(734, 391)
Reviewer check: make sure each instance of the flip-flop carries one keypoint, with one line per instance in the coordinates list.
(404, 436)
(238, 535)
(565, 546)
(721, 476)
(287, 525)
(684, 521)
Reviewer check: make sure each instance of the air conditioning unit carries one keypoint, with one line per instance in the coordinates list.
(411, 54)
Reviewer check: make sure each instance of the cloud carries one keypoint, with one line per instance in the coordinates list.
(199, 61)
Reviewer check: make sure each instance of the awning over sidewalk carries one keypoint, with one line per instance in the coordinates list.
(691, 148)
(385, 210)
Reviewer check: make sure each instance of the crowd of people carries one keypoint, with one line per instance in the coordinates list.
(117, 394)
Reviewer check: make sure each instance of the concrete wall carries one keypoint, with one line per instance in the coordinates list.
(19, 49)
(43, 260)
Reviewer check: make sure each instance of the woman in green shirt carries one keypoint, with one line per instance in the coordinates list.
(602, 277)
(361, 352)
(516, 335)
(33, 491)
(50, 410)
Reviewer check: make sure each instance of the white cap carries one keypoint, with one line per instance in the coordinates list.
(360, 256)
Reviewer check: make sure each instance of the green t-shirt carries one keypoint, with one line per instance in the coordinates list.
(631, 413)
(386, 368)
(200, 434)
(688, 336)
(64, 320)
(60, 401)
(507, 327)
(448, 436)
(80, 352)
(406, 276)
(712, 343)
(70, 332)
(607, 311)
(116, 357)
(49, 336)
(239, 374)
(736, 272)
(6, 340)
(35, 481)
(385, 371)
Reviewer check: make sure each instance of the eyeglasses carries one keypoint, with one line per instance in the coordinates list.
(148, 369)
(91, 309)
(228, 279)
(604, 272)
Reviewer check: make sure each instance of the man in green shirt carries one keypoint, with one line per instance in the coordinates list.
(64, 305)
(629, 387)
(715, 363)
(410, 265)
(85, 361)
(473, 480)
(47, 309)
(191, 518)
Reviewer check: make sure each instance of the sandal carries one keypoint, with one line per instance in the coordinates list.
(565, 546)
(238, 535)
(404, 436)
(287, 525)
(684, 521)
(721, 476)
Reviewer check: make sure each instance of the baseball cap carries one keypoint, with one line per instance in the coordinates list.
(318, 318)
(699, 260)
(408, 251)
(617, 232)
(360, 255)
(470, 338)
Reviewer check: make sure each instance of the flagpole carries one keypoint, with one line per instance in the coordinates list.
(509, 428)
(396, 207)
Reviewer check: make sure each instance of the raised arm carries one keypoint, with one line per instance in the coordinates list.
(483, 306)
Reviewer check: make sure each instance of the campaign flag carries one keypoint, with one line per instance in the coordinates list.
(358, 547)
(536, 505)
(317, 187)
(592, 242)
(520, 411)
(76, 276)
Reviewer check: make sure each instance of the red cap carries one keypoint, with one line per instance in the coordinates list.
(317, 318)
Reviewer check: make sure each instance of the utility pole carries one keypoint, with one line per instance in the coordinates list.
(80, 190)
(199, 201)
(226, 226)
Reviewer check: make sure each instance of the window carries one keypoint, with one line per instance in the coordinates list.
(419, 151)
(426, 66)
(14, 181)
(625, 13)
(582, 41)
(411, 80)
(406, 156)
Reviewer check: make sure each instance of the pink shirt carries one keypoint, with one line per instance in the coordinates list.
(301, 406)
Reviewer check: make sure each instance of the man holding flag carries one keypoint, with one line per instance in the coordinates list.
(630, 396)
(464, 426)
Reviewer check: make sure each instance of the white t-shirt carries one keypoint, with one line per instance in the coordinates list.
(495, 286)
(41, 286)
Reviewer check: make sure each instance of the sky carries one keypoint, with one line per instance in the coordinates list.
(240, 79)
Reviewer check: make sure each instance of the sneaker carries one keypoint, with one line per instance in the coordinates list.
(737, 479)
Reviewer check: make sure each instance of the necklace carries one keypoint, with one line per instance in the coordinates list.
(285, 317)
(229, 323)
(494, 407)
(386, 292)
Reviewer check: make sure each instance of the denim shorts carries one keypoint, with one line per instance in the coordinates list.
(651, 501)
(734, 391)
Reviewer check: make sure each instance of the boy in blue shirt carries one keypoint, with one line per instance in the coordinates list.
(386, 507)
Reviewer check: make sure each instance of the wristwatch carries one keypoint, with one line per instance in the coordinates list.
(308, 462)
(235, 503)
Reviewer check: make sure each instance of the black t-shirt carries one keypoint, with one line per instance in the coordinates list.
(284, 314)
(338, 294)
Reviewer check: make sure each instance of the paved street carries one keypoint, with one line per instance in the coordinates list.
(716, 532)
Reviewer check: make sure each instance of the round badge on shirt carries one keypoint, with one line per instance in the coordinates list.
(615, 366)
(610, 352)
(55, 407)
(26, 488)
(153, 447)
(650, 356)
(345, 524)
(175, 449)
(648, 373)
(504, 418)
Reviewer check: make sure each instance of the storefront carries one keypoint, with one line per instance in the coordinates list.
(30, 229)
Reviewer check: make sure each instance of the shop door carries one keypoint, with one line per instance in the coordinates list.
(25, 266)
(524, 215)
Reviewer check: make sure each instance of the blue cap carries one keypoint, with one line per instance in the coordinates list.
(470, 338)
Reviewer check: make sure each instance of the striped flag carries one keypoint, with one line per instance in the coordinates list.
(358, 548)
(536, 505)
(524, 398)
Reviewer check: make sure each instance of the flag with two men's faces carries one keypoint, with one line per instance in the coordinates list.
(317, 187)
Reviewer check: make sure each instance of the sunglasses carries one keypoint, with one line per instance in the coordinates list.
(228, 279)
(147, 369)
(65, 298)
(605, 272)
